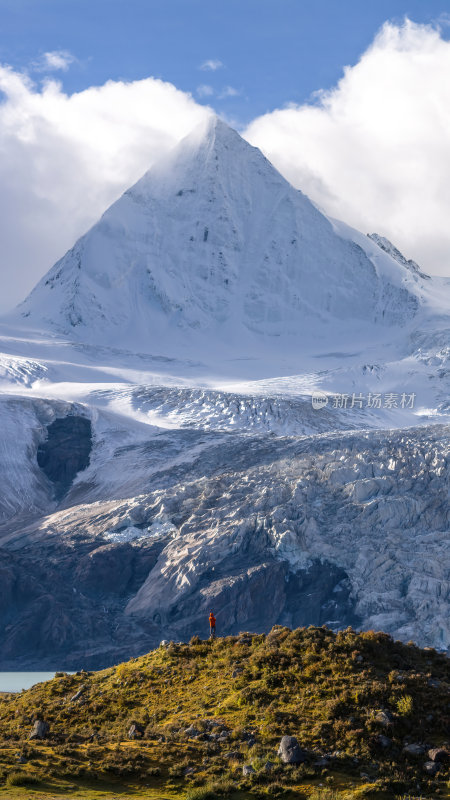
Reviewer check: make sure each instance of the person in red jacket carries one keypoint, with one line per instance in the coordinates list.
(212, 625)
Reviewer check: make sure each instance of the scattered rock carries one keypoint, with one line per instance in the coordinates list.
(247, 769)
(322, 762)
(189, 771)
(268, 766)
(414, 750)
(40, 730)
(135, 731)
(290, 751)
(431, 768)
(439, 754)
(384, 741)
(77, 696)
(384, 718)
(191, 732)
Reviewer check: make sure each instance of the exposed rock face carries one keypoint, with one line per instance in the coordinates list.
(264, 530)
(106, 570)
(393, 251)
(65, 452)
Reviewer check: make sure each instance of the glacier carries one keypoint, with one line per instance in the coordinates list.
(177, 347)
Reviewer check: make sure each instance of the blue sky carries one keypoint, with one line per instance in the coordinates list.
(116, 83)
(273, 51)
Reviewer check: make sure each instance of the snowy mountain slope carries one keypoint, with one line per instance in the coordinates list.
(165, 368)
(212, 270)
(214, 239)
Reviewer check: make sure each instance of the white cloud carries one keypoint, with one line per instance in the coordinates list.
(54, 60)
(211, 65)
(375, 150)
(229, 91)
(64, 159)
(205, 90)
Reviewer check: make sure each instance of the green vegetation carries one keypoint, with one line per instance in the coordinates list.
(199, 712)
(405, 705)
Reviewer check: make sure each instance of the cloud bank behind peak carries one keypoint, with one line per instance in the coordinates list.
(373, 151)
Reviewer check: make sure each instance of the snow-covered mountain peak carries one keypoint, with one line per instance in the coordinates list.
(166, 455)
(213, 244)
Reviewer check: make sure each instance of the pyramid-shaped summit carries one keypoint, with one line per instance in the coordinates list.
(212, 242)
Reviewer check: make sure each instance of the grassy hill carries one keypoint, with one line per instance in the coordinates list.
(201, 712)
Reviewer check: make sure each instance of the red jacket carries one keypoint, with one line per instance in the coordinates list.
(212, 620)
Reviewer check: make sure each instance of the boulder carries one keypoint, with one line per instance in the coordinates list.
(439, 754)
(247, 769)
(384, 718)
(414, 750)
(40, 729)
(290, 751)
(191, 732)
(431, 768)
(384, 741)
(135, 731)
